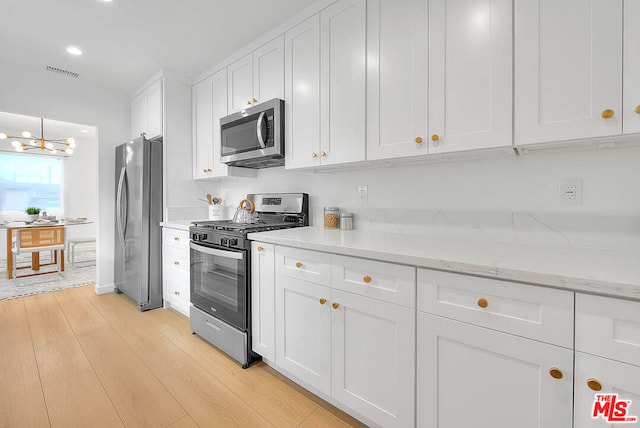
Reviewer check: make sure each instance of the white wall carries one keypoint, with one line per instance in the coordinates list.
(40, 93)
(80, 187)
(479, 193)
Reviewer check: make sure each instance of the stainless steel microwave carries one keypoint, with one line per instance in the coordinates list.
(254, 137)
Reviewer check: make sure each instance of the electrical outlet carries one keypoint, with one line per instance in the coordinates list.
(363, 193)
(570, 191)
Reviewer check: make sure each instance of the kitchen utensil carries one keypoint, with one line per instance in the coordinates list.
(209, 199)
(246, 212)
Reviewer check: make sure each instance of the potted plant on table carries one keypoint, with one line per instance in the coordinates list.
(32, 213)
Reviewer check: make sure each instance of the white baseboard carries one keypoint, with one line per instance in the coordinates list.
(104, 289)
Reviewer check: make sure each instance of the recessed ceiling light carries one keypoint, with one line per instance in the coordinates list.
(74, 50)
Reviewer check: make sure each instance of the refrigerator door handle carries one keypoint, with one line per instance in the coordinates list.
(119, 206)
(125, 187)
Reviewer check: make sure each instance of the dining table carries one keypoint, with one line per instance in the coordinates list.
(12, 227)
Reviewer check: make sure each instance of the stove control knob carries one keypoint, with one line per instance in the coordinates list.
(233, 241)
(224, 241)
(202, 237)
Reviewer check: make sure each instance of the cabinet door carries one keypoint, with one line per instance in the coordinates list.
(218, 111)
(209, 105)
(263, 300)
(397, 78)
(631, 100)
(343, 85)
(568, 69)
(209, 100)
(470, 74)
(302, 94)
(138, 115)
(154, 110)
(202, 101)
(268, 71)
(240, 81)
(303, 331)
(613, 377)
(147, 111)
(373, 358)
(470, 376)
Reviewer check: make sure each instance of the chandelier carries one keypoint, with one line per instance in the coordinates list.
(29, 142)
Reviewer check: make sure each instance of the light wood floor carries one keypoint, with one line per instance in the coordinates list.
(74, 359)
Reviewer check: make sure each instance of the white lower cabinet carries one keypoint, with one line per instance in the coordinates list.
(263, 300)
(303, 326)
(358, 350)
(607, 359)
(596, 375)
(373, 358)
(492, 353)
(470, 376)
(175, 270)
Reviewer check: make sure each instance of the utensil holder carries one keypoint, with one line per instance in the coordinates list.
(215, 212)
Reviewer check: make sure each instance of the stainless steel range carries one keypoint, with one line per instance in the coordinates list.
(220, 270)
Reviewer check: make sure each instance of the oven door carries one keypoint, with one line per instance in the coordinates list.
(219, 283)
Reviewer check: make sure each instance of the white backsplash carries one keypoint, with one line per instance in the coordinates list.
(506, 199)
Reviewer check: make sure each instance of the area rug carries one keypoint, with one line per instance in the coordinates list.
(83, 273)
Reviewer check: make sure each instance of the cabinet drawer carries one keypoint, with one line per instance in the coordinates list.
(383, 281)
(534, 312)
(176, 258)
(310, 266)
(175, 238)
(177, 277)
(176, 289)
(608, 327)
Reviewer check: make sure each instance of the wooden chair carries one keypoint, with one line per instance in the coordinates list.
(36, 239)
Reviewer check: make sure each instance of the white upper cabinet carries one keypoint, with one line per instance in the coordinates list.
(209, 99)
(240, 83)
(631, 85)
(209, 105)
(147, 111)
(256, 77)
(342, 82)
(302, 93)
(325, 87)
(568, 69)
(470, 74)
(397, 78)
(268, 71)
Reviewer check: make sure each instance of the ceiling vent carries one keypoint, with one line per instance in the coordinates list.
(62, 71)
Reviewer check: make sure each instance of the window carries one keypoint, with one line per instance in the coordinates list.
(30, 181)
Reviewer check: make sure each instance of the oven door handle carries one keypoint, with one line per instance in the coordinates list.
(215, 252)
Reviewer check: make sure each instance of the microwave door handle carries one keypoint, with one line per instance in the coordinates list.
(259, 130)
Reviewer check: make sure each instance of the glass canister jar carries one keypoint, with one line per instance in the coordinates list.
(331, 217)
(346, 221)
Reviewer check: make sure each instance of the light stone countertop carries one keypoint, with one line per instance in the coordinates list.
(607, 272)
(177, 224)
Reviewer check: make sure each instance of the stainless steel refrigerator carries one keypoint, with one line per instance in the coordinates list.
(138, 236)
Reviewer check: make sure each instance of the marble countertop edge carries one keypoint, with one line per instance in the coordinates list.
(538, 265)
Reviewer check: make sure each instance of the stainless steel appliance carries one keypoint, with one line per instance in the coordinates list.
(138, 237)
(220, 271)
(254, 137)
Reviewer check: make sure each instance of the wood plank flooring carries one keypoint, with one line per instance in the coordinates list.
(74, 359)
